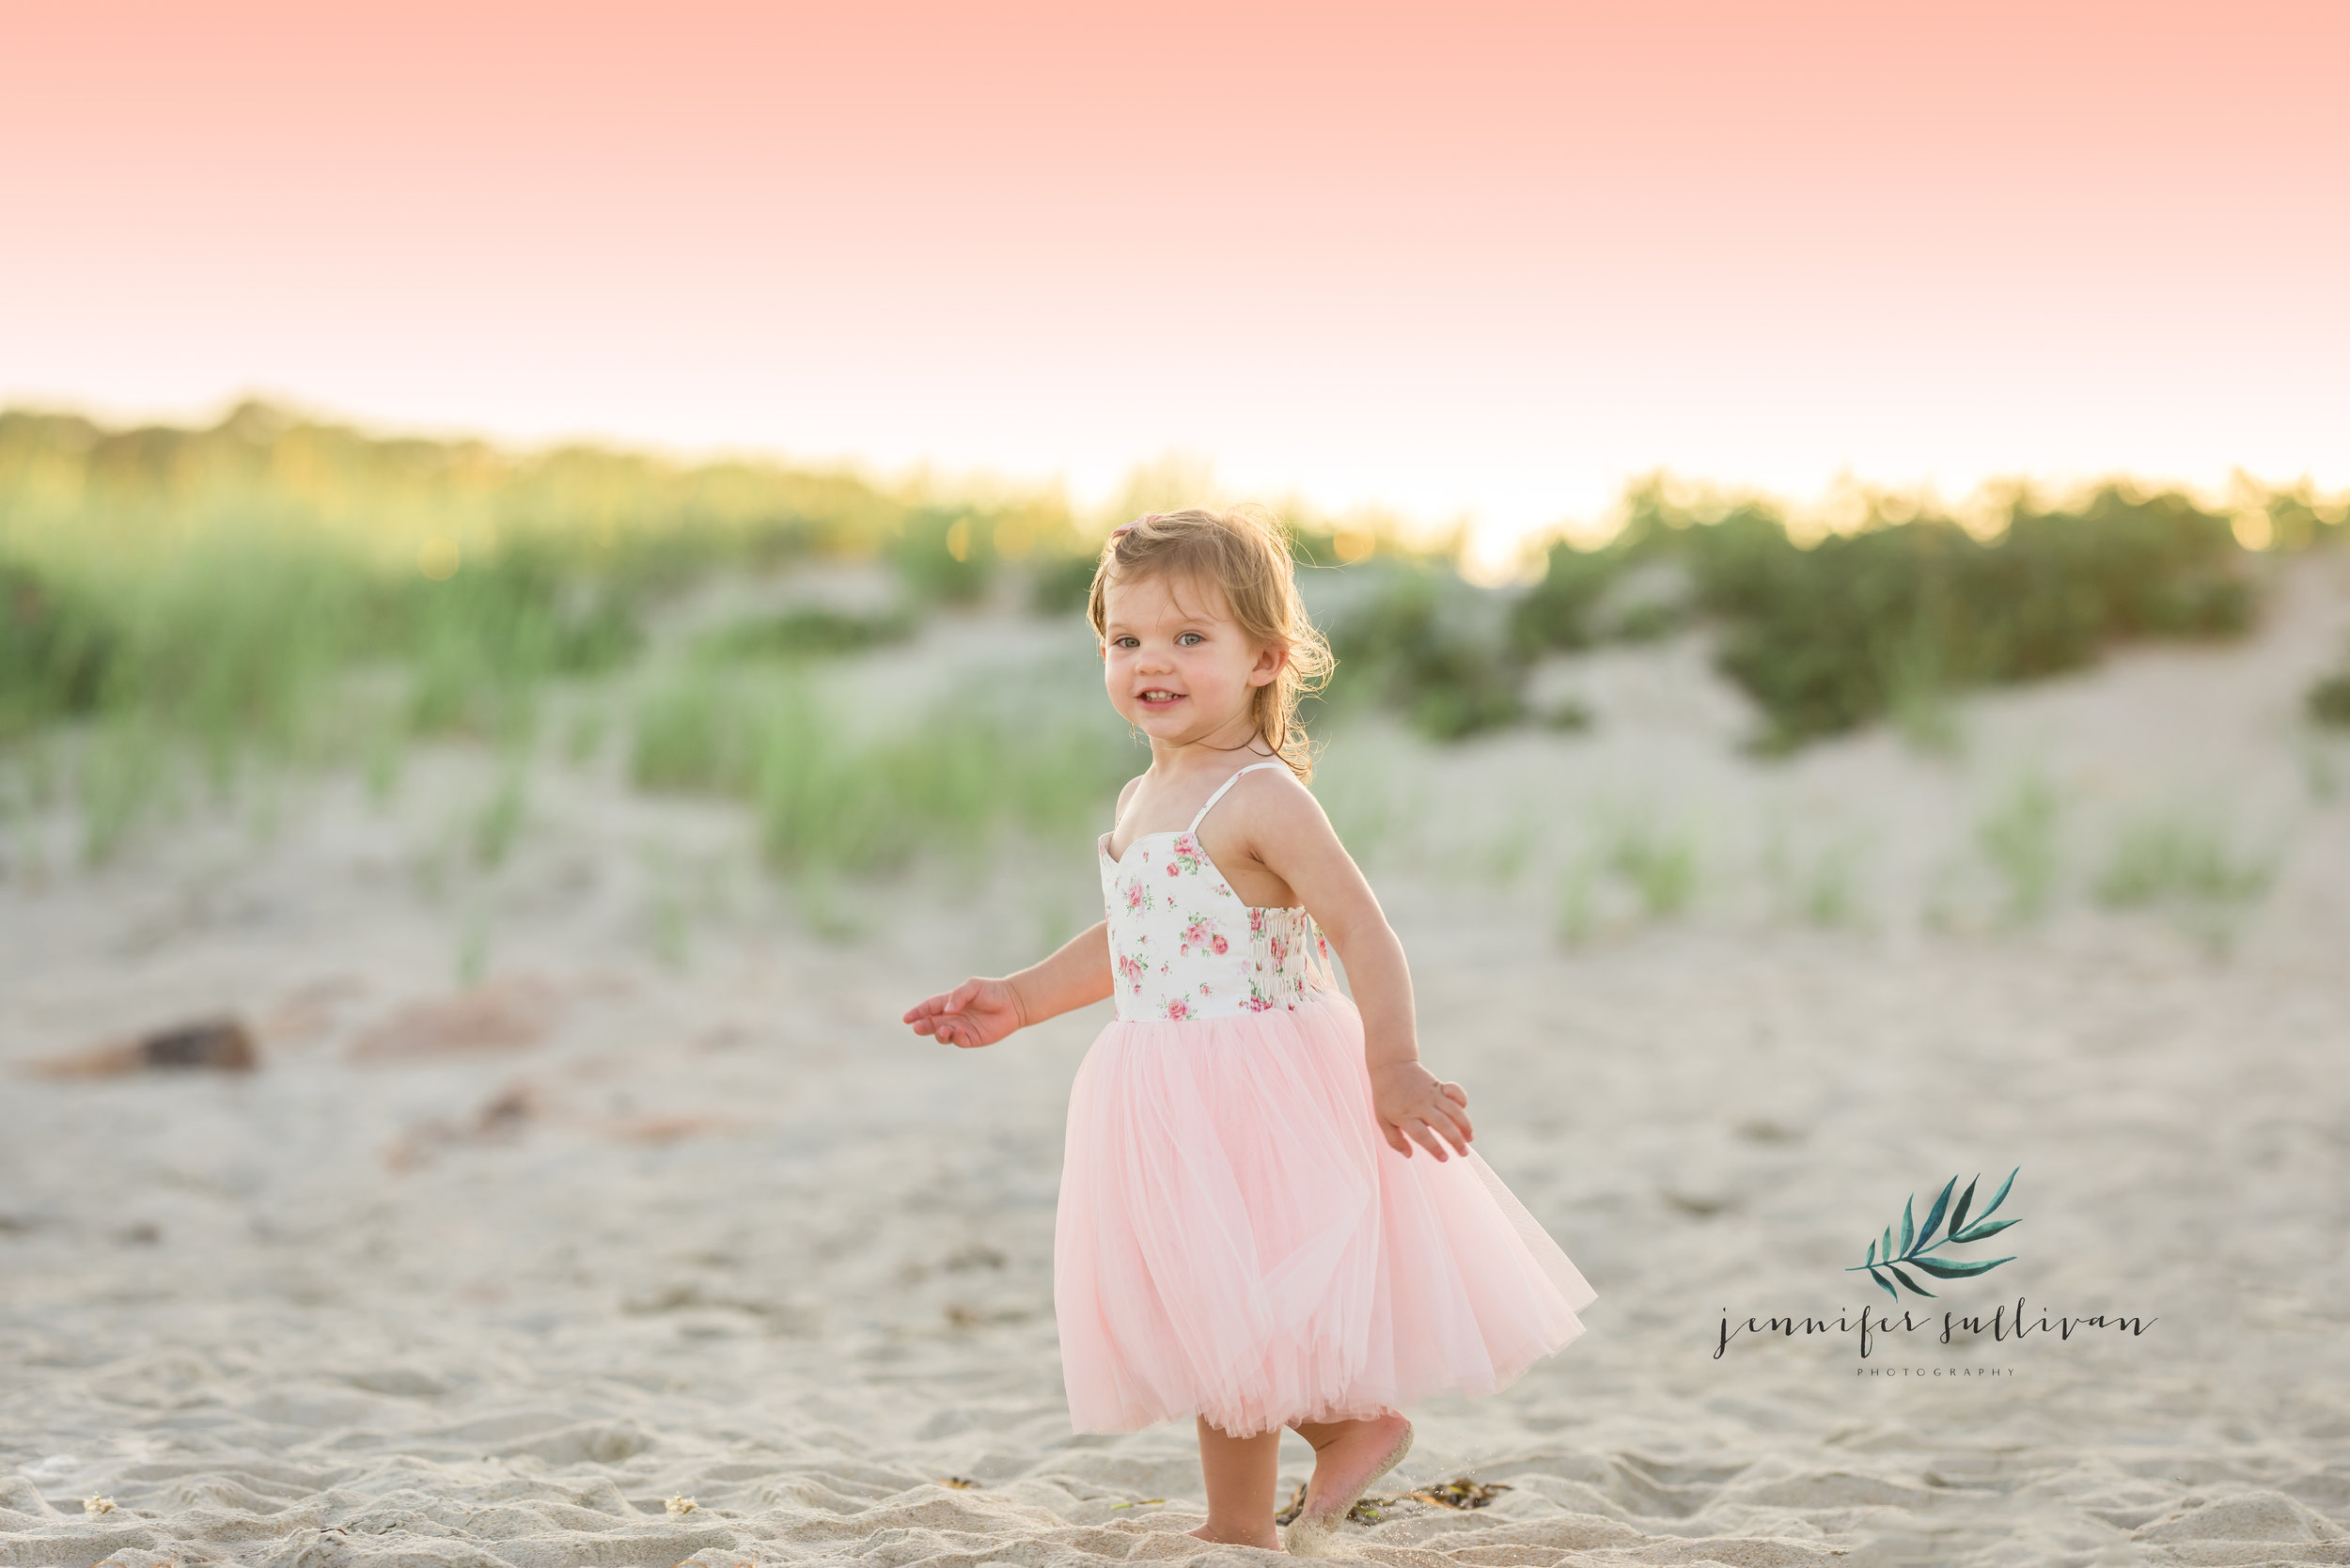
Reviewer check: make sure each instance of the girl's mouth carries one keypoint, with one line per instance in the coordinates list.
(1158, 698)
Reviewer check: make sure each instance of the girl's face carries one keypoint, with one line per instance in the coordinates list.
(1177, 665)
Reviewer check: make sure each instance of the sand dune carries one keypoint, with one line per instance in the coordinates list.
(674, 1209)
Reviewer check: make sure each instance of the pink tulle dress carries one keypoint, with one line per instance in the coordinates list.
(1235, 1239)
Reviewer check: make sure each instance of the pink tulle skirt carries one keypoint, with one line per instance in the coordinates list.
(1235, 1240)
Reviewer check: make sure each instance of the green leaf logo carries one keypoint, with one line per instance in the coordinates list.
(1918, 1244)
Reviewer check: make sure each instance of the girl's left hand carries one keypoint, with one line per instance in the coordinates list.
(977, 1013)
(1416, 1107)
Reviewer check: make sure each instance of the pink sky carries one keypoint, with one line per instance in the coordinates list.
(1461, 259)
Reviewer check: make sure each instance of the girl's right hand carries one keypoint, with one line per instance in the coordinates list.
(1414, 1106)
(977, 1012)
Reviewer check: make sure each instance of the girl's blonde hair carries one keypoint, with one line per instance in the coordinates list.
(1243, 552)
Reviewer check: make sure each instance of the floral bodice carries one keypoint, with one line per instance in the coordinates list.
(1184, 946)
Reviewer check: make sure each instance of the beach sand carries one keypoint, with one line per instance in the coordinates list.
(670, 1206)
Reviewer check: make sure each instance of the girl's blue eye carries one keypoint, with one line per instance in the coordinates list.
(1127, 642)
(1188, 639)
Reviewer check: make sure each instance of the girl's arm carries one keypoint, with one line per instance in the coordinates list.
(981, 1012)
(1288, 834)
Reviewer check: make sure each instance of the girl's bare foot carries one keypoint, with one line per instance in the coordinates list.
(1348, 1457)
(1269, 1538)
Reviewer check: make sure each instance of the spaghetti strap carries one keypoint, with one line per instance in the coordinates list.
(1226, 785)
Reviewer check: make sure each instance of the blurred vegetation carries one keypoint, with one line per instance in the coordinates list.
(2181, 856)
(280, 589)
(1886, 618)
(1636, 865)
(2019, 834)
(2330, 698)
(1419, 642)
(212, 581)
(2327, 700)
(810, 632)
(2188, 864)
(832, 796)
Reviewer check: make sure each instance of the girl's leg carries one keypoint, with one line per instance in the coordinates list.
(1241, 1473)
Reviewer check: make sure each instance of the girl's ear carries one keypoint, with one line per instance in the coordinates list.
(1269, 663)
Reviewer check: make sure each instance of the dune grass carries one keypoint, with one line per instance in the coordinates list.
(216, 576)
(193, 603)
(191, 608)
(834, 796)
(1634, 864)
(1815, 884)
(197, 601)
(1658, 860)
(2019, 837)
(2189, 864)
(2175, 855)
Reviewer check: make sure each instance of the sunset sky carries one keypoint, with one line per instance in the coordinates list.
(1455, 259)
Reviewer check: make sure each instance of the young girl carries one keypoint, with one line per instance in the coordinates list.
(1270, 1214)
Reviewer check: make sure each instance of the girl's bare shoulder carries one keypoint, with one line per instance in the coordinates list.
(1275, 802)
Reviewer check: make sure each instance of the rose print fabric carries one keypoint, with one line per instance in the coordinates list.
(1184, 946)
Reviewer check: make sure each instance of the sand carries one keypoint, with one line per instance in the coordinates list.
(669, 1207)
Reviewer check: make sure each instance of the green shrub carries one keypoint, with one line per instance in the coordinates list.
(1426, 644)
(1061, 584)
(2327, 700)
(810, 632)
(1895, 614)
(1557, 612)
(944, 553)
